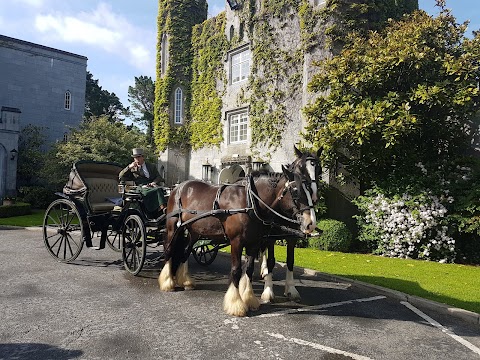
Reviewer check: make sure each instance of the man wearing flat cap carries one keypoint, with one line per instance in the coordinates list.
(143, 173)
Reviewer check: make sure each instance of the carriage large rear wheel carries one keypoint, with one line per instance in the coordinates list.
(205, 253)
(63, 230)
(134, 244)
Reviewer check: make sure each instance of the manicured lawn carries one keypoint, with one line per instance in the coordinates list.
(34, 219)
(452, 284)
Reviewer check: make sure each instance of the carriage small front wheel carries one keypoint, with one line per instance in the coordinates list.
(63, 230)
(204, 254)
(134, 244)
(114, 239)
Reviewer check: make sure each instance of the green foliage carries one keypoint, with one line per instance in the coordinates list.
(39, 197)
(362, 16)
(16, 209)
(405, 96)
(99, 102)
(142, 98)
(335, 236)
(176, 20)
(97, 139)
(30, 156)
(100, 140)
(209, 45)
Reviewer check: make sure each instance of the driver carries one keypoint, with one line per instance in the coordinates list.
(145, 174)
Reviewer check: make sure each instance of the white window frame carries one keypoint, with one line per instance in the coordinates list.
(238, 127)
(240, 64)
(67, 105)
(178, 106)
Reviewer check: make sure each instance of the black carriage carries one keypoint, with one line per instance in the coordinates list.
(93, 205)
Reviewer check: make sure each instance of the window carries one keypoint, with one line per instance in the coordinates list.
(240, 66)
(178, 106)
(164, 54)
(65, 137)
(68, 100)
(238, 124)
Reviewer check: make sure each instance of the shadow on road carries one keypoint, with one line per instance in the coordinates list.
(29, 351)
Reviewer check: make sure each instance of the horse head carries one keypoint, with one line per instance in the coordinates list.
(302, 203)
(308, 165)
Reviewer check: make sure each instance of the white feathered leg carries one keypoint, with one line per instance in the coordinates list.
(263, 265)
(183, 277)
(246, 293)
(232, 302)
(165, 279)
(268, 295)
(290, 290)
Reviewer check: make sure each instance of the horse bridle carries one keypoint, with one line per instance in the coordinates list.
(295, 194)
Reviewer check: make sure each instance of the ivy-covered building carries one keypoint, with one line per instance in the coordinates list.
(231, 89)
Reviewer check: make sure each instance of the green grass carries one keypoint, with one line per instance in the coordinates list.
(34, 219)
(452, 284)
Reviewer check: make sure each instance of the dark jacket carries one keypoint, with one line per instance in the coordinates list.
(140, 179)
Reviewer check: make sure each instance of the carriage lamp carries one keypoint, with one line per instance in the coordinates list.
(234, 5)
(206, 171)
(13, 154)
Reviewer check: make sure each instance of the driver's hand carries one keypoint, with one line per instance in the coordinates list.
(152, 184)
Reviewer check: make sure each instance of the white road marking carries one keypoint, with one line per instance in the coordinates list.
(319, 307)
(441, 327)
(318, 346)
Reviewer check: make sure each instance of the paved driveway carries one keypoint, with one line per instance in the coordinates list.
(92, 309)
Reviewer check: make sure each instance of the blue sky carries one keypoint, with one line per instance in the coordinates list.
(119, 36)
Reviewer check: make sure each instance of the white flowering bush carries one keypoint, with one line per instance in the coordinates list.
(406, 226)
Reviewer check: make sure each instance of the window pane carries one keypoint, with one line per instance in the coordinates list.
(178, 106)
(240, 66)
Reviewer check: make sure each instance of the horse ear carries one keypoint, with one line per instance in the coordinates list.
(319, 152)
(288, 173)
(297, 152)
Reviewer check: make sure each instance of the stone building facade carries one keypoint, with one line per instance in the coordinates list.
(41, 86)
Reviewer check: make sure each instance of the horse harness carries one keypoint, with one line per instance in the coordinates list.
(251, 209)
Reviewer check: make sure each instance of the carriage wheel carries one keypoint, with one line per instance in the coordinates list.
(205, 254)
(113, 239)
(63, 230)
(134, 244)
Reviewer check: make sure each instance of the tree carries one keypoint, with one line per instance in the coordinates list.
(98, 139)
(30, 155)
(399, 100)
(142, 98)
(100, 102)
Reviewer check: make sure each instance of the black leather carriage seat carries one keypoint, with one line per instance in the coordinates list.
(99, 190)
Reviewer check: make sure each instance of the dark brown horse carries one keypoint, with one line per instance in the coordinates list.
(243, 215)
(308, 165)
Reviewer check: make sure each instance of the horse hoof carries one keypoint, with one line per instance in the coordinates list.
(293, 297)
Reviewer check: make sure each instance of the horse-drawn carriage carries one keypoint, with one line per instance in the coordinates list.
(200, 219)
(95, 208)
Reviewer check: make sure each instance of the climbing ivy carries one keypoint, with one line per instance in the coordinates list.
(209, 46)
(175, 19)
(196, 61)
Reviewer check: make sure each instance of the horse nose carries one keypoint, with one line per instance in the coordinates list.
(309, 221)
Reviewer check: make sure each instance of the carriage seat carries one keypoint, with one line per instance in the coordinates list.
(99, 190)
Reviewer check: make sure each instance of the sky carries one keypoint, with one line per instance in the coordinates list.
(119, 36)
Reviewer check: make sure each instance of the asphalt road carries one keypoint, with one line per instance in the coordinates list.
(93, 309)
